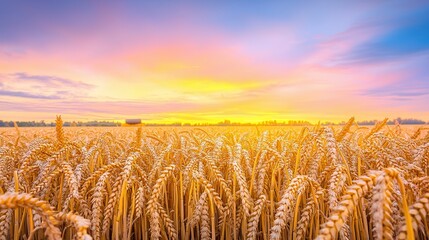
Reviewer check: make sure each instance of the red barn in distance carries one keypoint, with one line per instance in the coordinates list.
(133, 122)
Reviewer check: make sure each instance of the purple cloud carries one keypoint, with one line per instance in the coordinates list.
(111, 107)
(50, 80)
(25, 85)
(26, 95)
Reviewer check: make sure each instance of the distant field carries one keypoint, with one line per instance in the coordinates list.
(264, 182)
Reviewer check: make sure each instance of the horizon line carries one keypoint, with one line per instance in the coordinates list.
(272, 122)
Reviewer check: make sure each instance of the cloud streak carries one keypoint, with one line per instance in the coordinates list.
(25, 95)
(49, 81)
(25, 85)
(402, 37)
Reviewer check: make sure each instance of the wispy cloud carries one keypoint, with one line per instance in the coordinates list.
(402, 37)
(26, 95)
(49, 81)
(120, 108)
(25, 85)
(401, 89)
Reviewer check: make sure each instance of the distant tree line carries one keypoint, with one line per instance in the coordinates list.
(26, 124)
(394, 121)
(66, 124)
(222, 123)
(229, 123)
(390, 122)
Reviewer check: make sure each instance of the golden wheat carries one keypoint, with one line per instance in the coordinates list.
(323, 182)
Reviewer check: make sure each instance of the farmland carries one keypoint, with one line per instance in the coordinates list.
(342, 182)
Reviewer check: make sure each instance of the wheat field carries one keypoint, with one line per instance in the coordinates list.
(342, 182)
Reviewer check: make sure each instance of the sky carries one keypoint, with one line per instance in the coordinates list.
(206, 61)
